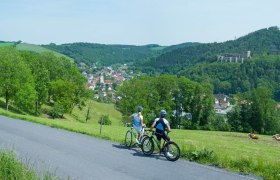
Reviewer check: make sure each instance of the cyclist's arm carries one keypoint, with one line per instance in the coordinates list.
(129, 119)
(153, 125)
(142, 123)
(168, 128)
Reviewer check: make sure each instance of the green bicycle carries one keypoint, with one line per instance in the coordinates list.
(170, 149)
(131, 137)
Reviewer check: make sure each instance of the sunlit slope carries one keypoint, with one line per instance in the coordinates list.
(38, 49)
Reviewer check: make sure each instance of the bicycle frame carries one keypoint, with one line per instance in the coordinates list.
(157, 142)
(134, 135)
(169, 148)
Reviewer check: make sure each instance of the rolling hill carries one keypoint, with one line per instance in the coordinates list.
(33, 48)
(264, 41)
(106, 55)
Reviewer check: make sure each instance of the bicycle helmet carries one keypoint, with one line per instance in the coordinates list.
(139, 108)
(162, 113)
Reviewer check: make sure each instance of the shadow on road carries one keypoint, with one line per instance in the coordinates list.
(138, 152)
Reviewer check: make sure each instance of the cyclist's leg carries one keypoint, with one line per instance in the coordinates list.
(167, 139)
(159, 136)
(138, 130)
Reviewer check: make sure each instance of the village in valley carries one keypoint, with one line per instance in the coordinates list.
(103, 81)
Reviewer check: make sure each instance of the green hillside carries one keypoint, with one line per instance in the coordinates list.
(32, 48)
(2, 43)
(106, 54)
(183, 45)
(38, 49)
(264, 41)
(96, 110)
(198, 62)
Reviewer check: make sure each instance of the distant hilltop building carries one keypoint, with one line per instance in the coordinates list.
(237, 58)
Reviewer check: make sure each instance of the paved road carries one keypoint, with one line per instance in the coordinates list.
(77, 156)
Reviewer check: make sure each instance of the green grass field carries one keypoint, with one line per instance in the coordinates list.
(6, 44)
(230, 150)
(34, 48)
(96, 111)
(39, 49)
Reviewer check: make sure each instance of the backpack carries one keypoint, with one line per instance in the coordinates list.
(160, 125)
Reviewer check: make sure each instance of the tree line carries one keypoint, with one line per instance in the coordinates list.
(255, 111)
(29, 80)
(105, 55)
(190, 105)
(232, 78)
(176, 95)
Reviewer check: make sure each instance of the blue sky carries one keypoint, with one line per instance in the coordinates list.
(135, 22)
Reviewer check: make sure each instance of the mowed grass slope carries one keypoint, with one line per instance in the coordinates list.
(39, 49)
(230, 150)
(96, 110)
(6, 44)
(34, 48)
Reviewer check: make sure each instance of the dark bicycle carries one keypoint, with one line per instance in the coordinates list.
(169, 148)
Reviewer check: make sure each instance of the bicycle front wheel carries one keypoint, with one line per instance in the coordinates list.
(147, 145)
(128, 139)
(171, 151)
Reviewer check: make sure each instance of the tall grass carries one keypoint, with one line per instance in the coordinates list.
(11, 168)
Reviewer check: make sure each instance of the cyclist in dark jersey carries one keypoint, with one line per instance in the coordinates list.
(161, 124)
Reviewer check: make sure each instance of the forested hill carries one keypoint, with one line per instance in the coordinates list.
(263, 41)
(177, 46)
(106, 54)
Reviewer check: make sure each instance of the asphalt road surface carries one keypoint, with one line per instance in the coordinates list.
(75, 156)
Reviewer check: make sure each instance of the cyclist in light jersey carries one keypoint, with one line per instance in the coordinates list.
(138, 123)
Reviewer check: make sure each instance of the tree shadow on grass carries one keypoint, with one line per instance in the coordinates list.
(11, 107)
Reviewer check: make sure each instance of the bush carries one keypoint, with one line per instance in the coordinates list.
(202, 155)
(105, 120)
(57, 111)
(219, 124)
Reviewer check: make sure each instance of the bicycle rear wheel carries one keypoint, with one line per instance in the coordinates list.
(147, 145)
(128, 139)
(171, 151)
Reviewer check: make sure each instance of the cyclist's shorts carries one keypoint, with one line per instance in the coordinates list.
(160, 135)
(138, 129)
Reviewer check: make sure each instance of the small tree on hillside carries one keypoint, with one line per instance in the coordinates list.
(105, 120)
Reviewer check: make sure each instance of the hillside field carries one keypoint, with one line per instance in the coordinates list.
(39, 49)
(34, 48)
(2, 44)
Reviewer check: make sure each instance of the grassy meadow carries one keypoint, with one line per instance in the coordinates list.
(229, 150)
(34, 48)
(6, 44)
(39, 49)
